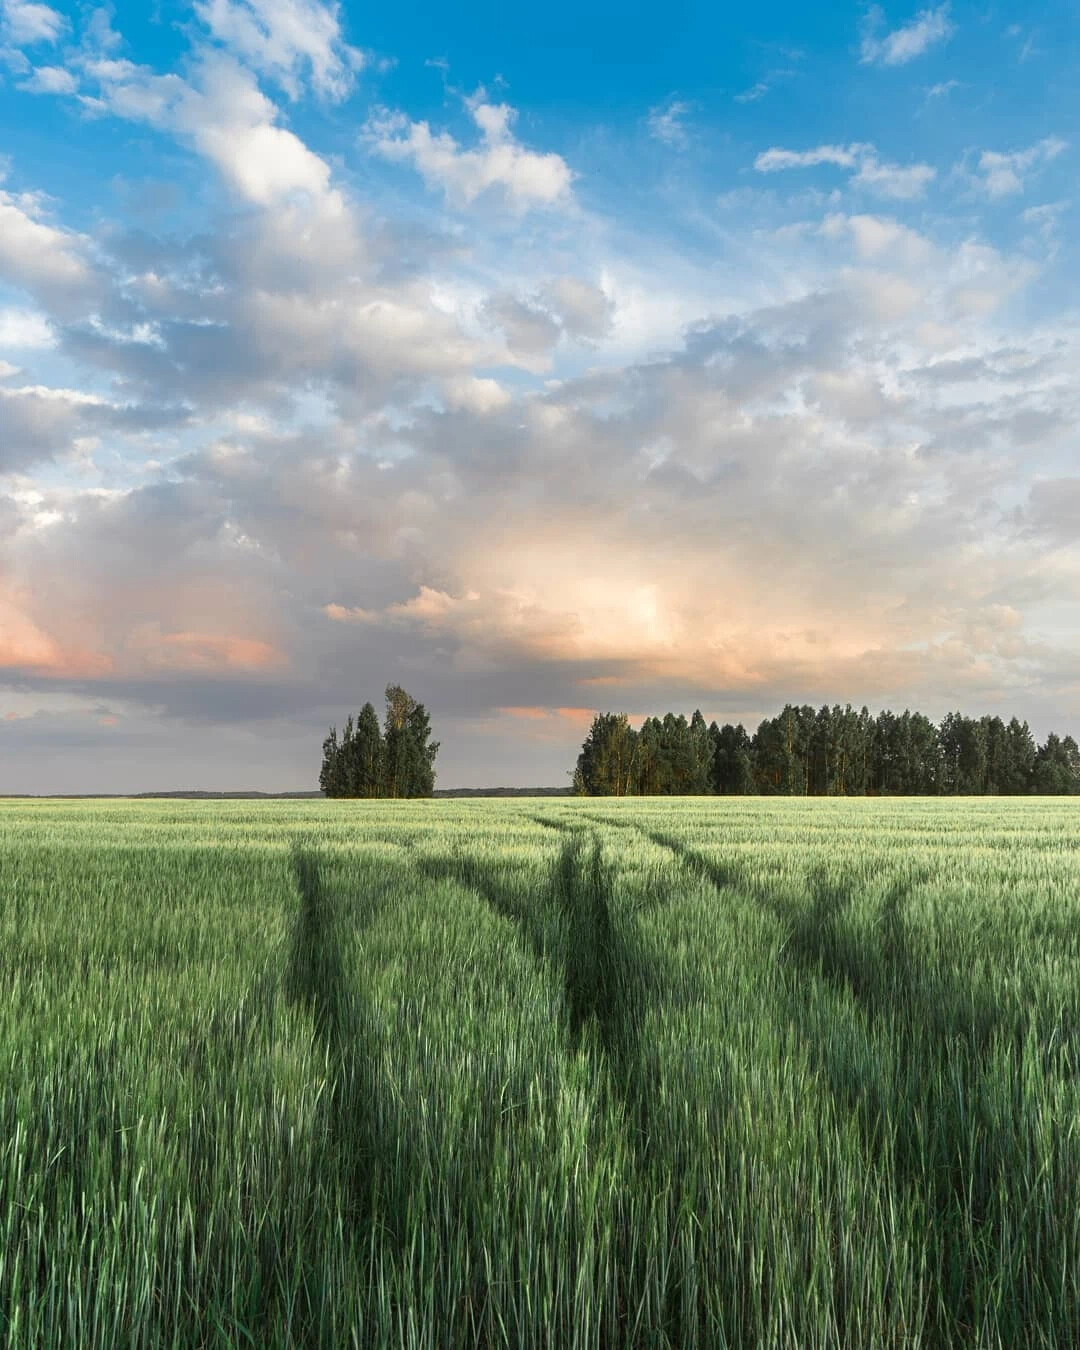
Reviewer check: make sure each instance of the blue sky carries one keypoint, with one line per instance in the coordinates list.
(542, 361)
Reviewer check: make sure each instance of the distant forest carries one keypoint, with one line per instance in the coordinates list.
(396, 760)
(830, 752)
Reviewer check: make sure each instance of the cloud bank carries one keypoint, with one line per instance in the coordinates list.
(434, 414)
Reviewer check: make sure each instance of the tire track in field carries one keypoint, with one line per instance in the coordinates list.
(932, 1127)
(315, 975)
(364, 1126)
(683, 1312)
(570, 897)
(382, 1178)
(929, 1130)
(598, 957)
(885, 977)
(595, 955)
(608, 984)
(553, 823)
(316, 978)
(573, 924)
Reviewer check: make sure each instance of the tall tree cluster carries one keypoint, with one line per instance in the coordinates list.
(395, 760)
(827, 752)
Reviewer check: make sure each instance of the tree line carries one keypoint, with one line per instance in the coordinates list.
(396, 760)
(827, 752)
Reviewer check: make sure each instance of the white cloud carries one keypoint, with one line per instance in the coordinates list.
(50, 80)
(1044, 220)
(878, 237)
(770, 79)
(904, 44)
(476, 395)
(98, 32)
(36, 255)
(1044, 215)
(295, 288)
(770, 161)
(901, 182)
(283, 38)
(530, 330)
(25, 23)
(667, 123)
(525, 178)
(1027, 40)
(263, 162)
(981, 279)
(50, 394)
(902, 274)
(25, 329)
(39, 421)
(564, 306)
(228, 119)
(584, 310)
(1002, 174)
(941, 89)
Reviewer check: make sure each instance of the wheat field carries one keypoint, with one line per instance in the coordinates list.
(540, 1073)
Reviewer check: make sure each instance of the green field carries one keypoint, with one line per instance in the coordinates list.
(540, 1073)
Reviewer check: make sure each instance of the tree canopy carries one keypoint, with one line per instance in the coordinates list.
(828, 752)
(397, 760)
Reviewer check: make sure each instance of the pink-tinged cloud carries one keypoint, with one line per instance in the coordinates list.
(25, 646)
(578, 716)
(344, 614)
(153, 650)
(694, 618)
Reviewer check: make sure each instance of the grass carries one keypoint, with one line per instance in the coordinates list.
(540, 1073)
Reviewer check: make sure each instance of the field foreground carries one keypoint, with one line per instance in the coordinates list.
(540, 1073)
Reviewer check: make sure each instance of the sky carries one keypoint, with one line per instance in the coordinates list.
(542, 360)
